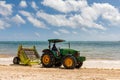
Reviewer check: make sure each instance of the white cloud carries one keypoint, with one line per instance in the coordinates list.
(5, 9)
(23, 4)
(55, 32)
(33, 20)
(5, 13)
(73, 21)
(84, 15)
(80, 21)
(34, 6)
(64, 31)
(65, 5)
(18, 19)
(4, 24)
(110, 13)
(107, 12)
(74, 32)
(37, 34)
(103, 10)
(25, 13)
(56, 20)
(36, 22)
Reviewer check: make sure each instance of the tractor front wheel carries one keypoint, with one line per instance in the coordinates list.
(69, 62)
(16, 60)
(47, 60)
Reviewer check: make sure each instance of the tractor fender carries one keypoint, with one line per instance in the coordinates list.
(68, 55)
(46, 51)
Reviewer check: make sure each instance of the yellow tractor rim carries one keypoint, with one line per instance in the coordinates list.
(46, 59)
(68, 62)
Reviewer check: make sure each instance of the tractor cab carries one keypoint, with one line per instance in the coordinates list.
(53, 46)
(52, 43)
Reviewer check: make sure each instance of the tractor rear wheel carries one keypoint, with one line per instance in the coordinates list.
(69, 62)
(16, 60)
(79, 65)
(47, 60)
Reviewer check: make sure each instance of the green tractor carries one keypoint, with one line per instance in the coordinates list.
(54, 57)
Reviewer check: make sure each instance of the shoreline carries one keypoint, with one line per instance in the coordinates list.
(6, 55)
(90, 63)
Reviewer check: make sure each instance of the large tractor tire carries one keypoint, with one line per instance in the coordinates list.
(47, 60)
(79, 65)
(69, 62)
(16, 60)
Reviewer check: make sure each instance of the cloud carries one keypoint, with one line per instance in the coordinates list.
(72, 21)
(5, 9)
(23, 4)
(18, 19)
(25, 13)
(55, 32)
(64, 31)
(5, 12)
(4, 24)
(32, 19)
(56, 20)
(78, 13)
(105, 11)
(37, 34)
(108, 12)
(74, 32)
(34, 6)
(36, 22)
(65, 6)
(81, 21)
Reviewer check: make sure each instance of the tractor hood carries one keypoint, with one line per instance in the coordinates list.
(66, 51)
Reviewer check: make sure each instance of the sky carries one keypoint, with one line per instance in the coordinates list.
(72, 20)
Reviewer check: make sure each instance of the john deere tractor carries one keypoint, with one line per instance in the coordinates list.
(54, 57)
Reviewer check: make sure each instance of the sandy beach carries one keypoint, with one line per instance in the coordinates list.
(36, 73)
(91, 70)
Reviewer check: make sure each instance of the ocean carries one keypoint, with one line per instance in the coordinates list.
(99, 50)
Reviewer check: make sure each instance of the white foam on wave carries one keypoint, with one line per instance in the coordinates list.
(103, 64)
(6, 61)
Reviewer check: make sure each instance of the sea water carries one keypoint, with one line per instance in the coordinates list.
(100, 50)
